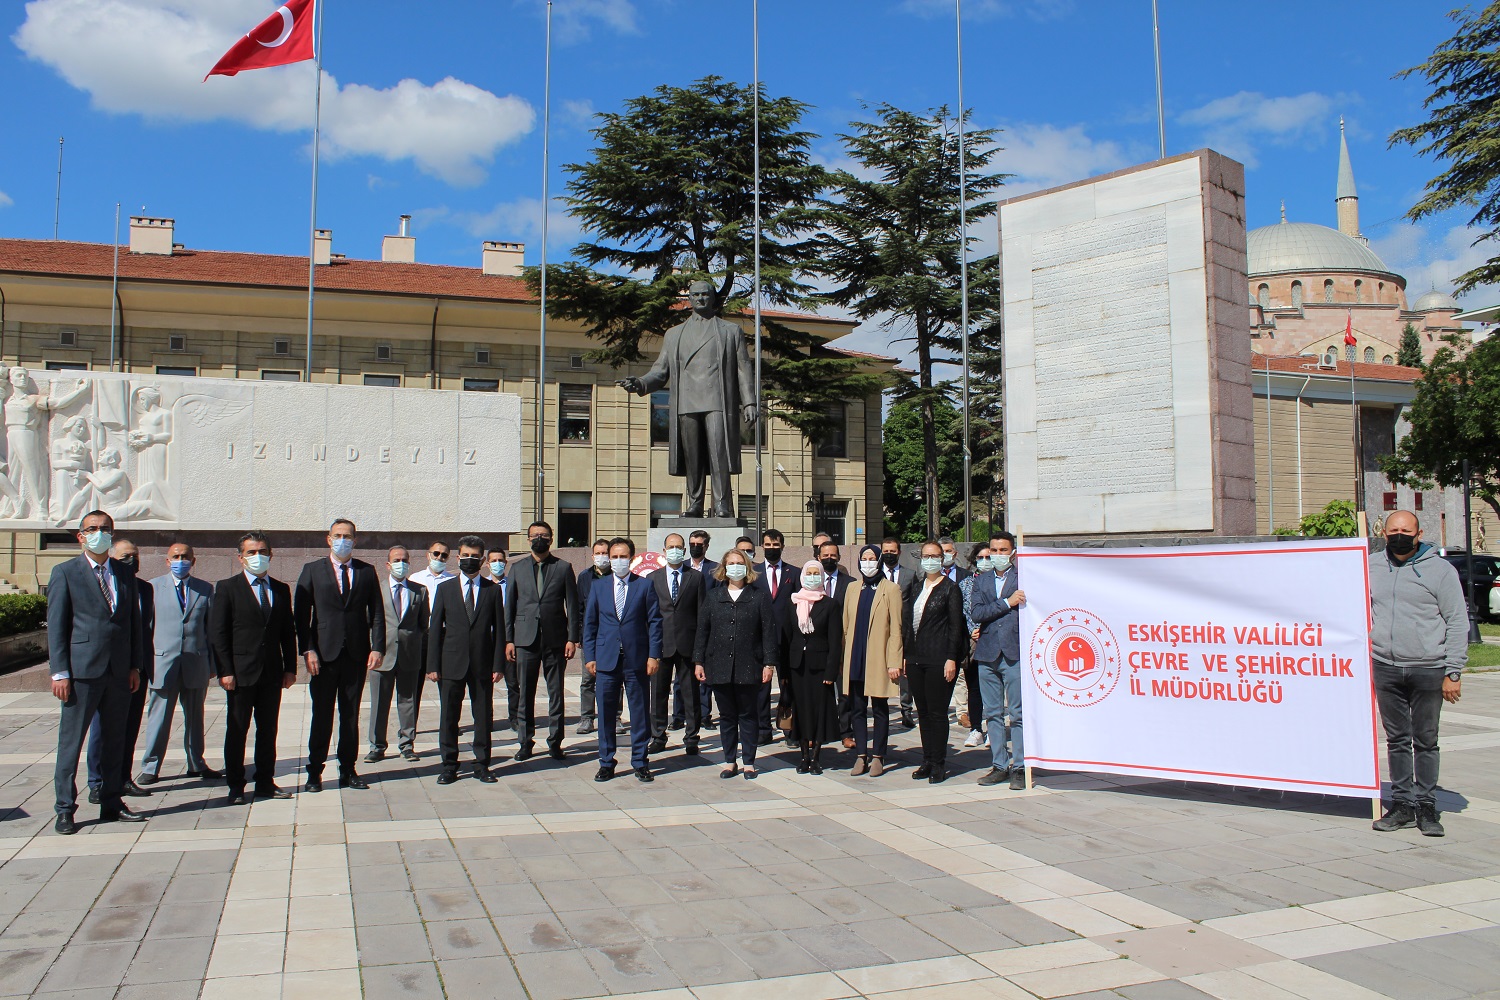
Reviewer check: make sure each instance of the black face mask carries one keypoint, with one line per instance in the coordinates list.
(469, 565)
(890, 559)
(1401, 545)
(773, 555)
(697, 549)
(131, 561)
(830, 565)
(540, 544)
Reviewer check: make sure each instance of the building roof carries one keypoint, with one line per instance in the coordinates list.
(1307, 364)
(1435, 301)
(1303, 246)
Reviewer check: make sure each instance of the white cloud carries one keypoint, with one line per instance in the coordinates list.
(573, 21)
(579, 114)
(5, 200)
(1236, 124)
(148, 57)
(1434, 256)
(1043, 156)
(517, 221)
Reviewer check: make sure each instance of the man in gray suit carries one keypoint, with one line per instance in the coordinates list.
(182, 670)
(994, 605)
(402, 670)
(542, 630)
(94, 641)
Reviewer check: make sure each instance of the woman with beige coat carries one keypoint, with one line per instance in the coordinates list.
(872, 658)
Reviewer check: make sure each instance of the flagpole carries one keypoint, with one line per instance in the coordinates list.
(114, 289)
(1161, 112)
(963, 271)
(760, 514)
(312, 236)
(541, 363)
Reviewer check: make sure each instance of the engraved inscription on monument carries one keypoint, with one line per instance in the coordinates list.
(226, 454)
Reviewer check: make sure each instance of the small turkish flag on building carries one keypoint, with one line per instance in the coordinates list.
(1349, 332)
(284, 37)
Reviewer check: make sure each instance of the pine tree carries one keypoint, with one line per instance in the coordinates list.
(1410, 351)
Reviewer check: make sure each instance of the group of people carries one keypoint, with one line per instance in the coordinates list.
(127, 650)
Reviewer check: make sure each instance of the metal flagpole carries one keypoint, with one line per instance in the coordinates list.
(541, 360)
(57, 204)
(760, 514)
(963, 270)
(114, 289)
(1359, 476)
(1161, 113)
(312, 236)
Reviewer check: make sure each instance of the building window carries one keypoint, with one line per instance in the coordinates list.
(481, 357)
(268, 375)
(67, 366)
(68, 336)
(832, 443)
(575, 362)
(1296, 295)
(1327, 289)
(830, 516)
(170, 370)
(1369, 355)
(1380, 292)
(573, 520)
(1359, 290)
(665, 505)
(661, 418)
(574, 403)
(746, 511)
(382, 352)
(1387, 360)
(1263, 296)
(481, 385)
(388, 381)
(177, 342)
(281, 347)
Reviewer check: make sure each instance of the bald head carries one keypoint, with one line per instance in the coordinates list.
(1403, 532)
(1403, 522)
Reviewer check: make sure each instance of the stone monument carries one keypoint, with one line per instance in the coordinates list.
(203, 454)
(1127, 354)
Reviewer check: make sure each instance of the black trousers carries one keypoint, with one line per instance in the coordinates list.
(532, 661)
(128, 736)
(339, 684)
(675, 671)
(705, 702)
(975, 707)
(588, 707)
(261, 702)
(480, 686)
(932, 695)
(762, 711)
(108, 698)
(738, 728)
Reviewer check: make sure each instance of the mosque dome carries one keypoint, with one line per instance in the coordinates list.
(1305, 247)
(1435, 301)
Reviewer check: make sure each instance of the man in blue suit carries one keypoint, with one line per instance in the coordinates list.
(995, 603)
(622, 649)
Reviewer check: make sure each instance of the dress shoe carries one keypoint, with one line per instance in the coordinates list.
(65, 825)
(1018, 779)
(447, 777)
(585, 727)
(925, 771)
(206, 773)
(525, 752)
(236, 798)
(938, 775)
(93, 796)
(272, 792)
(145, 779)
(1397, 817)
(124, 814)
(1427, 821)
(729, 771)
(907, 722)
(644, 774)
(484, 775)
(803, 766)
(751, 773)
(352, 780)
(877, 767)
(813, 767)
(604, 774)
(693, 512)
(690, 748)
(314, 783)
(374, 756)
(656, 746)
(410, 754)
(861, 765)
(677, 724)
(134, 790)
(766, 739)
(556, 753)
(994, 776)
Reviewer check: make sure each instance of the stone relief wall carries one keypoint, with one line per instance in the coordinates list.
(220, 454)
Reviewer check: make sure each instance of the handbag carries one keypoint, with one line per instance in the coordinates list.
(784, 720)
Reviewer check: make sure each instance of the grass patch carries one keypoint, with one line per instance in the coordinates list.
(1484, 654)
(1489, 629)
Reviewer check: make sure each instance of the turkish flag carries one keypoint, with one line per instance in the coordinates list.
(284, 37)
(1349, 331)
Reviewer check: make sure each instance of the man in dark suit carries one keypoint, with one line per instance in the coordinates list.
(341, 633)
(95, 648)
(254, 638)
(125, 552)
(404, 664)
(597, 570)
(951, 569)
(183, 666)
(622, 648)
(679, 593)
(463, 654)
(780, 581)
(541, 634)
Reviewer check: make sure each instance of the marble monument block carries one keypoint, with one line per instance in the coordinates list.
(1127, 353)
(166, 453)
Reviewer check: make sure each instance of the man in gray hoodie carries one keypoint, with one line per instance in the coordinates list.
(1420, 642)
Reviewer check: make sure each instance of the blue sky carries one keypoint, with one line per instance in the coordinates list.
(434, 109)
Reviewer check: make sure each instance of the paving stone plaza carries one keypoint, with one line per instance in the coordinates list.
(794, 887)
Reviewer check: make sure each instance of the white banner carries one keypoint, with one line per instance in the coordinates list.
(1236, 665)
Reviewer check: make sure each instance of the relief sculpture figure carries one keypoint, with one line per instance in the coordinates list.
(70, 463)
(149, 440)
(26, 436)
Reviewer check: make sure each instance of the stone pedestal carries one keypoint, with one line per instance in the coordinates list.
(722, 531)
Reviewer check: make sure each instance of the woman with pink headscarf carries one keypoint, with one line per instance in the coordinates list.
(812, 655)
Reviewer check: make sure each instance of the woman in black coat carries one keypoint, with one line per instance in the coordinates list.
(735, 652)
(936, 639)
(812, 656)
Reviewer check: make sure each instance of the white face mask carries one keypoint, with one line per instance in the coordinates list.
(982, 564)
(931, 565)
(620, 566)
(735, 571)
(812, 581)
(497, 570)
(398, 570)
(869, 567)
(675, 556)
(947, 559)
(1000, 563)
(601, 561)
(437, 567)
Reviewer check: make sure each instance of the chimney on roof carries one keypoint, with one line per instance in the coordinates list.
(503, 258)
(401, 248)
(322, 246)
(148, 235)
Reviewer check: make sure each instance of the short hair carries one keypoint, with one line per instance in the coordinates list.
(434, 544)
(621, 540)
(255, 535)
(889, 540)
(744, 538)
(600, 541)
(501, 553)
(342, 520)
(773, 535)
(673, 534)
(823, 535)
(947, 540)
(97, 513)
(824, 545)
(536, 524)
(978, 548)
(185, 543)
(700, 533)
(750, 575)
(392, 551)
(996, 536)
(473, 542)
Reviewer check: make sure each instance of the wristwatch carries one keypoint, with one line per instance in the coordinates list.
(1454, 675)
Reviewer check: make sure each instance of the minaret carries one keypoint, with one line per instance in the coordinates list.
(1347, 198)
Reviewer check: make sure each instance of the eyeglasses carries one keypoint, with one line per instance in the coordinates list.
(438, 555)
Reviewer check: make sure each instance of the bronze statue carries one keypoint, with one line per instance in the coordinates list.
(705, 363)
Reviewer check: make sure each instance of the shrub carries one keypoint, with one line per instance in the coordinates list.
(22, 613)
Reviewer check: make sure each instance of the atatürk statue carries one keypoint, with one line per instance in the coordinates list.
(705, 363)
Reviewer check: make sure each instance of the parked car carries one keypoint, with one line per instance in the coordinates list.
(1486, 572)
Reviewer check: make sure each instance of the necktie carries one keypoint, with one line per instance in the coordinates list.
(344, 578)
(469, 596)
(265, 597)
(396, 600)
(619, 598)
(109, 597)
(773, 580)
(674, 586)
(181, 596)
